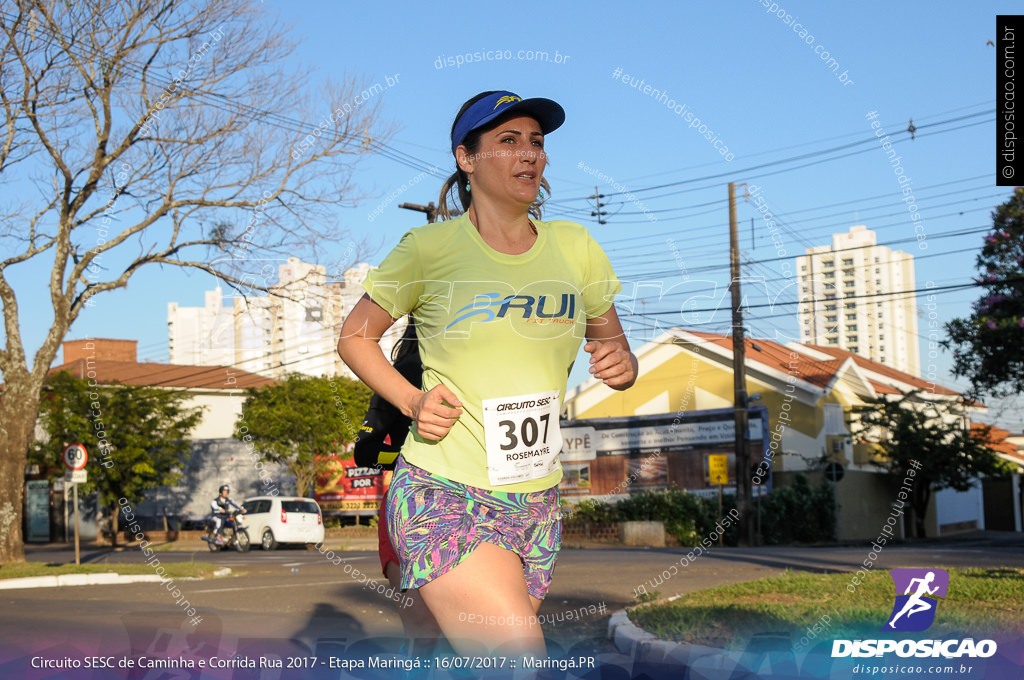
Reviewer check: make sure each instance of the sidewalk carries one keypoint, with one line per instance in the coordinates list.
(104, 579)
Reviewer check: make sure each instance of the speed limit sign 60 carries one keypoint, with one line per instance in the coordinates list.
(75, 457)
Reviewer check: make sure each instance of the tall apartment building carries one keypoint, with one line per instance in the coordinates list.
(844, 300)
(293, 329)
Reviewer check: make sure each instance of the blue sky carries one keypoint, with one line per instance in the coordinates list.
(747, 75)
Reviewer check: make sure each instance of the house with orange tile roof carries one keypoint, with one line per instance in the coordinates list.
(809, 392)
(217, 457)
(1004, 497)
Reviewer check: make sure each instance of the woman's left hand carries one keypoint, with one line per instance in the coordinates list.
(611, 363)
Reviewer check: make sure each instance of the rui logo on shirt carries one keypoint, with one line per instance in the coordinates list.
(488, 307)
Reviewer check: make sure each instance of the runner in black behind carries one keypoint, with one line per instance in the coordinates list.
(379, 440)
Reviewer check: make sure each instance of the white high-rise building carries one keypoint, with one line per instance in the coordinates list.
(294, 329)
(845, 299)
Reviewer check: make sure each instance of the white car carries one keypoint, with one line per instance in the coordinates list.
(273, 520)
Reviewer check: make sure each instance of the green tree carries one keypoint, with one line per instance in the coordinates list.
(151, 122)
(929, 437)
(988, 346)
(300, 421)
(137, 437)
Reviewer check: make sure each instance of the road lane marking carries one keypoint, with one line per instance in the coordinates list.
(296, 564)
(280, 585)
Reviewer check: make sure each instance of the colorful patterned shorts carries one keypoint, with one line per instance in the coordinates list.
(436, 523)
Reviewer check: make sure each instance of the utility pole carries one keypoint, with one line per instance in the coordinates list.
(430, 209)
(597, 213)
(743, 482)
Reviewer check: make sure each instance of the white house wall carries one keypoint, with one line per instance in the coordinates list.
(222, 411)
(213, 462)
(799, 446)
(956, 507)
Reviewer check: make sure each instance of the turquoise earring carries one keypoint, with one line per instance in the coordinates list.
(468, 187)
(540, 195)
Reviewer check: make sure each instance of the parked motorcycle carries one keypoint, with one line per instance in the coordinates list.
(234, 534)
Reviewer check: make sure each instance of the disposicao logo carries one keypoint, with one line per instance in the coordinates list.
(914, 611)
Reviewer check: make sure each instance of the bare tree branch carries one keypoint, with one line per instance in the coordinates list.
(156, 132)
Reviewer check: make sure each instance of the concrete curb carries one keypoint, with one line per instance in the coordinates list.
(337, 545)
(186, 546)
(646, 650)
(103, 579)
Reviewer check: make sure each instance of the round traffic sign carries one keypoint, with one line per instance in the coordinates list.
(75, 457)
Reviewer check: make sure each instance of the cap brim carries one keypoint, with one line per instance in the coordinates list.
(547, 112)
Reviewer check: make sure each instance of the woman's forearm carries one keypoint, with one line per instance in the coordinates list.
(366, 359)
(359, 348)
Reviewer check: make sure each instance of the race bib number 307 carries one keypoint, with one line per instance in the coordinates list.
(522, 437)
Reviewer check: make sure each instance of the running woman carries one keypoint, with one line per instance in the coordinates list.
(503, 304)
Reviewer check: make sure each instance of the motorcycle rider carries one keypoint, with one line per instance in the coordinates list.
(221, 507)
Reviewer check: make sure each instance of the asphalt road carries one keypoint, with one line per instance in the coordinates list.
(297, 602)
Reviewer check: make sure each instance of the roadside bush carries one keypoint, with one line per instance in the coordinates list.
(332, 522)
(688, 517)
(793, 514)
(595, 512)
(799, 514)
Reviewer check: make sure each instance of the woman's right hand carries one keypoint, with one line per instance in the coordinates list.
(435, 412)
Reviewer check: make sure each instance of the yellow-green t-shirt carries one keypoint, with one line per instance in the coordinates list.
(492, 325)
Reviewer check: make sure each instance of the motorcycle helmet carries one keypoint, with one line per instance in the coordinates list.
(224, 488)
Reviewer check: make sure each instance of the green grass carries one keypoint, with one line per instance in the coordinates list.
(173, 569)
(986, 602)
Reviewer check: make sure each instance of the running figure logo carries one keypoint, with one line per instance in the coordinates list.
(914, 609)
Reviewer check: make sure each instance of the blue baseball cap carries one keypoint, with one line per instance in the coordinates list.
(547, 112)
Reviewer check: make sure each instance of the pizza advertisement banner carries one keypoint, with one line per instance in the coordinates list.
(344, 486)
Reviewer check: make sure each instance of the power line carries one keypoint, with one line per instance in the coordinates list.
(931, 291)
(720, 227)
(909, 239)
(884, 206)
(694, 293)
(823, 226)
(744, 172)
(897, 193)
(717, 249)
(989, 102)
